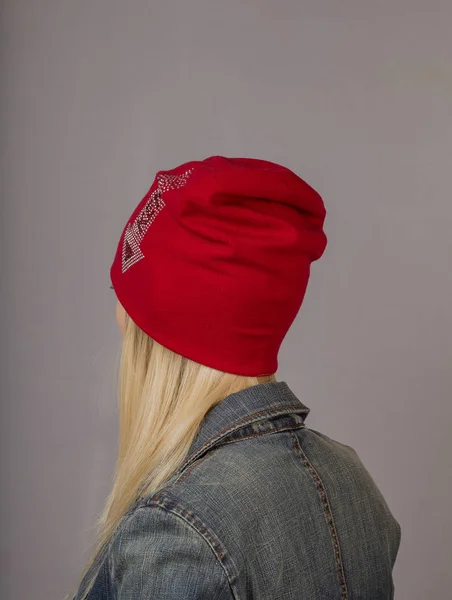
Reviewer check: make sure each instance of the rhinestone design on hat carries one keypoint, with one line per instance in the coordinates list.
(135, 232)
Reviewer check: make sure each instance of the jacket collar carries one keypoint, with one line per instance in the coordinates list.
(256, 403)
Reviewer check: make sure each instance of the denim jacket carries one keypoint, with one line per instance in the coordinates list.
(263, 508)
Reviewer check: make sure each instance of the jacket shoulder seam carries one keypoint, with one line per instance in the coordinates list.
(195, 523)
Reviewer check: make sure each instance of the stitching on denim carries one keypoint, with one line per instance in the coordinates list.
(195, 523)
(246, 437)
(182, 476)
(328, 515)
(214, 437)
(243, 419)
(189, 469)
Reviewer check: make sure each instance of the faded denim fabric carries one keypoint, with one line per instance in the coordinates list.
(263, 508)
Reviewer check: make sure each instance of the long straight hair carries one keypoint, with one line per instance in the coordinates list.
(163, 398)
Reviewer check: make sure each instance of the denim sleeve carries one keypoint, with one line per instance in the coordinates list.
(160, 556)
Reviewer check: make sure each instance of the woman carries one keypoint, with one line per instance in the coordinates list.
(221, 491)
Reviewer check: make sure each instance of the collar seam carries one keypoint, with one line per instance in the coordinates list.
(236, 424)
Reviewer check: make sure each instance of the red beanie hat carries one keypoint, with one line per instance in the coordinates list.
(214, 261)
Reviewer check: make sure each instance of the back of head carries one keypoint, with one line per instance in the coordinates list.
(211, 269)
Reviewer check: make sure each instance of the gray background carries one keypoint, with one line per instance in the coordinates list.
(357, 98)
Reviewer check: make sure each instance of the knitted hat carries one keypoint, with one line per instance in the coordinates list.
(214, 261)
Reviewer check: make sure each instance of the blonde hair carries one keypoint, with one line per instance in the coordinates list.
(163, 398)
